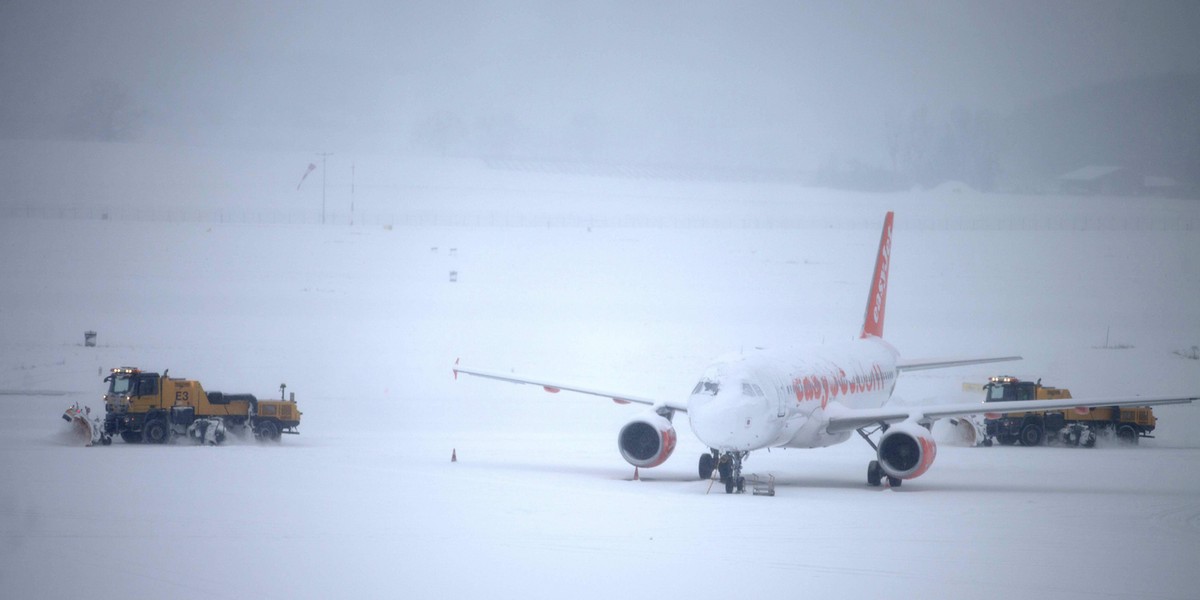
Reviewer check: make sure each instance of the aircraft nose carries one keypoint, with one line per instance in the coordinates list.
(729, 422)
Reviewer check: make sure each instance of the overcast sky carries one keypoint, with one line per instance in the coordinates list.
(757, 83)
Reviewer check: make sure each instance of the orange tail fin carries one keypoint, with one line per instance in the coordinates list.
(877, 301)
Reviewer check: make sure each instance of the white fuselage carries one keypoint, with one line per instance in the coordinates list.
(764, 399)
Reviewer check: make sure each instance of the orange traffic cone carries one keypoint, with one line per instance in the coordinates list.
(453, 455)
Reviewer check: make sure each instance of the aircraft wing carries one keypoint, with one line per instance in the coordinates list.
(849, 419)
(555, 387)
(919, 364)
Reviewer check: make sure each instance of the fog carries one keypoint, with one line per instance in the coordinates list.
(765, 85)
(607, 194)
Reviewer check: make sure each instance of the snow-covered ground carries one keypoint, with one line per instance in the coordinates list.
(625, 284)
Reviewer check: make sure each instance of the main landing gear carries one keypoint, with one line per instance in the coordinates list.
(875, 473)
(728, 465)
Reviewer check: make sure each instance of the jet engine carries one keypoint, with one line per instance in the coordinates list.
(647, 441)
(906, 450)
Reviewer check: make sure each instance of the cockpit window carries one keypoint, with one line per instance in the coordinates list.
(751, 389)
(707, 387)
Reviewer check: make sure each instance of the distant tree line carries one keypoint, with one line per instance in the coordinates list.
(925, 148)
(929, 148)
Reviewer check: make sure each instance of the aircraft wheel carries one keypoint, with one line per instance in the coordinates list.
(729, 485)
(874, 473)
(708, 464)
(894, 481)
(741, 485)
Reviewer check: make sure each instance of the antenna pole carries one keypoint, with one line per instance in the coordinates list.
(323, 156)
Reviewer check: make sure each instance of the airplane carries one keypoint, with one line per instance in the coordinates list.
(809, 398)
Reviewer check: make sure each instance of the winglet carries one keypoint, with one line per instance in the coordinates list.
(877, 301)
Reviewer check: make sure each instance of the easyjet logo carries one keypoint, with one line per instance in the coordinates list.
(832, 385)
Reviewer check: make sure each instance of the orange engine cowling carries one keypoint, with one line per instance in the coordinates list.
(647, 441)
(906, 450)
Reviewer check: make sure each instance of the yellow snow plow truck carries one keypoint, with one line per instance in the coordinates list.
(153, 408)
(1072, 427)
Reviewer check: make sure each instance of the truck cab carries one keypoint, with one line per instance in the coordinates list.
(1006, 388)
(131, 394)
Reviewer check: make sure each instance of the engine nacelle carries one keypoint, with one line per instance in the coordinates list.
(647, 441)
(906, 450)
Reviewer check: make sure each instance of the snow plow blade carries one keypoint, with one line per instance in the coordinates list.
(83, 428)
(969, 431)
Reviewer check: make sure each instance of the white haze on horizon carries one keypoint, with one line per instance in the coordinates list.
(768, 85)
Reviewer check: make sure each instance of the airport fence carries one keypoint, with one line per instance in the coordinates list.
(794, 218)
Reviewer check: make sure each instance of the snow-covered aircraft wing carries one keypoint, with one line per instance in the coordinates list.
(849, 419)
(919, 364)
(555, 387)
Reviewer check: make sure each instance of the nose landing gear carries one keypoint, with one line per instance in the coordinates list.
(728, 465)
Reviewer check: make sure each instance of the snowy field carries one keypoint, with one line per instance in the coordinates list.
(627, 284)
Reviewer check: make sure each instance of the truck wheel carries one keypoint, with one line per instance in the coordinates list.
(268, 431)
(1031, 435)
(1087, 438)
(1126, 434)
(155, 431)
(1069, 436)
(1006, 439)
